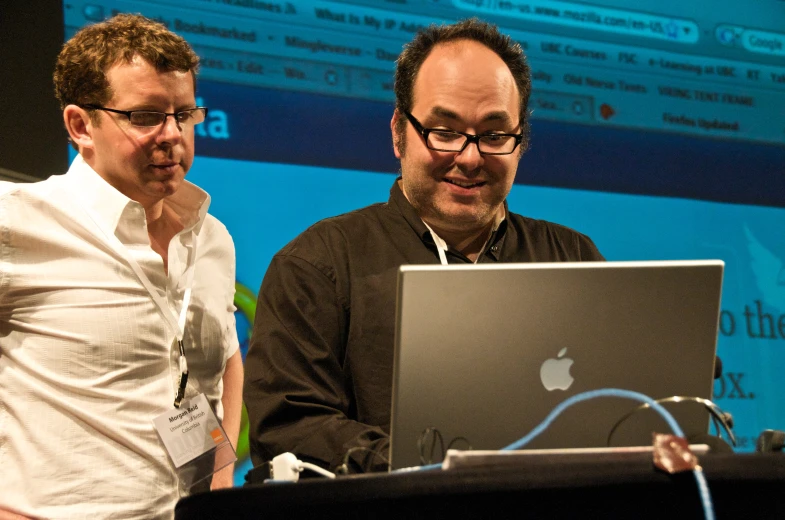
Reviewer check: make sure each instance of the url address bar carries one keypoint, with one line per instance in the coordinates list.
(584, 16)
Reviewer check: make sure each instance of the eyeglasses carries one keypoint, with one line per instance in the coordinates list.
(150, 118)
(452, 141)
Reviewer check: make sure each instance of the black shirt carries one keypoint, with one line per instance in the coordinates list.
(318, 374)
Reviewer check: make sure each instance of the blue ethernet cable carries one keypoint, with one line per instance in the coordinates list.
(700, 479)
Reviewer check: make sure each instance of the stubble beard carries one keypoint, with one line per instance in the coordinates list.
(435, 208)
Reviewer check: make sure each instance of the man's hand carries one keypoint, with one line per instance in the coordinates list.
(223, 478)
(8, 515)
(232, 404)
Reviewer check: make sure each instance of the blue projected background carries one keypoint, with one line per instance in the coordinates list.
(658, 129)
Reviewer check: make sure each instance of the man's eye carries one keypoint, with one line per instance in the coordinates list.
(145, 118)
(445, 135)
(184, 117)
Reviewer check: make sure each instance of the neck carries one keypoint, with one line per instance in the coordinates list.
(467, 242)
(162, 225)
(154, 212)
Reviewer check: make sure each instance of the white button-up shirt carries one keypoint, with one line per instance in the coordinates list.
(87, 359)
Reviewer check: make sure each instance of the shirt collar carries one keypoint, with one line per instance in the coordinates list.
(101, 199)
(399, 200)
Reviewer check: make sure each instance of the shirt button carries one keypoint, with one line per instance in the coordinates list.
(494, 249)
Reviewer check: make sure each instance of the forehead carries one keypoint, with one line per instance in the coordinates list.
(140, 82)
(467, 78)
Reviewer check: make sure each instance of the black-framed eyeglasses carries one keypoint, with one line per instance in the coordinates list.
(442, 140)
(151, 118)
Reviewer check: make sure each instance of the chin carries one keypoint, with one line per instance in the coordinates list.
(165, 188)
(460, 221)
(466, 215)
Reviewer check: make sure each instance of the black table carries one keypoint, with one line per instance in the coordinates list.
(616, 485)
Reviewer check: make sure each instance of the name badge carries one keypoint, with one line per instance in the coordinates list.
(190, 431)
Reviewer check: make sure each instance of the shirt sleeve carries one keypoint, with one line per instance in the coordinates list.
(6, 248)
(230, 339)
(587, 250)
(296, 390)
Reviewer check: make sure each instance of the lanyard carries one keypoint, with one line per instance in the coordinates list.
(441, 245)
(183, 379)
(176, 324)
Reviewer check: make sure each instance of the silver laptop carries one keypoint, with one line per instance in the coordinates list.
(484, 352)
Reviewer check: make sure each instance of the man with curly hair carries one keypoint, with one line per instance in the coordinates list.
(111, 276)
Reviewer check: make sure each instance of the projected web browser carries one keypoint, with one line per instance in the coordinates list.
(658, 129)
(688, 72)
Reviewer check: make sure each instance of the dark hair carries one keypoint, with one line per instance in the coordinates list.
(80, 71)
(415, 52)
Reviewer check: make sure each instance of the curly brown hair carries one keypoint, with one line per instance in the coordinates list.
(415, 52)
(80, 71)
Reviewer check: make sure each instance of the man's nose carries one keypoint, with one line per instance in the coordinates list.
(170, 129)
(470, 158)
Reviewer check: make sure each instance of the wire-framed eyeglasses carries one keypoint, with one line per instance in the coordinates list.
(151, 118)
(442, 140)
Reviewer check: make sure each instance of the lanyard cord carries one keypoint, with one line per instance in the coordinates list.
(176, 324)
(441, 245)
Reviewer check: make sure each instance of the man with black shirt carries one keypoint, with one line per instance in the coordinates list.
(319, 367)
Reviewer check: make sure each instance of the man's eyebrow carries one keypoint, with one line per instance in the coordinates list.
(446, 113)
(504, 117)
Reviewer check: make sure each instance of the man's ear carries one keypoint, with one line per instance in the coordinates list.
(79, 126)
(396, 138)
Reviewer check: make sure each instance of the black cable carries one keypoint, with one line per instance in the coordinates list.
(435, 435)
(715, 411)
(343, 469)
(459, 439)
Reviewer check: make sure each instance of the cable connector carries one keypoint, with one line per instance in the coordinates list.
(286, 467)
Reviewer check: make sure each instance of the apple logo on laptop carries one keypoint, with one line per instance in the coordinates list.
(555, 372)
